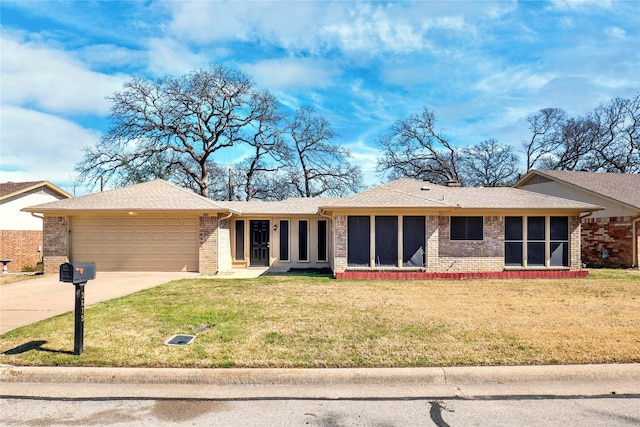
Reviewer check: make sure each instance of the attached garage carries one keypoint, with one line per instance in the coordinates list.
(152, 226)
(140, 243)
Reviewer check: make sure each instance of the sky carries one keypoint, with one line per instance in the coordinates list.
(481, 66)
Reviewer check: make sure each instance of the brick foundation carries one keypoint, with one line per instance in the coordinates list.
(416, 275)
(21, 247)
(608, 242)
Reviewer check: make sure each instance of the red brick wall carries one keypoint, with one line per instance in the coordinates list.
(612, 236)
(21, 247)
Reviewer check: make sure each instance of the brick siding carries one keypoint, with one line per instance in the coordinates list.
(208, 253)
(55, 245)
(21, 247)
(455, 257)
(608, 242)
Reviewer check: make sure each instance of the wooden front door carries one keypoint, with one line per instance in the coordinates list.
(259, 243)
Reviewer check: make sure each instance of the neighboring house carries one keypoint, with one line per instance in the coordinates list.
(405, 228)
(21, 232)
(610, 237)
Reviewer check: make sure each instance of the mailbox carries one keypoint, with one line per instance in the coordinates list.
(77, 273)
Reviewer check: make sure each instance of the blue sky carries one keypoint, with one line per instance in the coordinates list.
(482, 66)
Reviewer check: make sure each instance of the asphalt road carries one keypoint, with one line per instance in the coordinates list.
(608, 411)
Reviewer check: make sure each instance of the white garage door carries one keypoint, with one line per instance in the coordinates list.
(136, 243)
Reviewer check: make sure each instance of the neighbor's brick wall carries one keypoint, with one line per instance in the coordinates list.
(21, 247)
(208, 253)
(613, 234)
(486, 255)
(55, 245)
(340, 248)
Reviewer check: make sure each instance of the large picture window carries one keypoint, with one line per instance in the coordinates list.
(527, 242)
(358, 241)
(466, 228)
(413, 241)
(386, 241)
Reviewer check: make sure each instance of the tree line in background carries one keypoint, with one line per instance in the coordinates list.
(174, 127)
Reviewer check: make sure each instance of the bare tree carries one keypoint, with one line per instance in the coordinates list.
(546, 128)
(269, 151)
(489, 164)
(317, 166)
(179, 121)
(413, 148)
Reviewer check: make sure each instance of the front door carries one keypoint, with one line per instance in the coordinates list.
(260, 243)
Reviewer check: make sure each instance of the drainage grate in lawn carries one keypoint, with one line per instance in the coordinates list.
(180, 340)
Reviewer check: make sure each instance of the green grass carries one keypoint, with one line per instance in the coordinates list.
(314, 321)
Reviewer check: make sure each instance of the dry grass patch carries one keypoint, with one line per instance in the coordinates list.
(294, 321)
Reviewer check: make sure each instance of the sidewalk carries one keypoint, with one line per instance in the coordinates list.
(405, 383)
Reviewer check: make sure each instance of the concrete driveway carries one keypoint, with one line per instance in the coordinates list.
(29, 301)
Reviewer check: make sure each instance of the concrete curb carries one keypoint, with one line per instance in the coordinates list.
(325, 377)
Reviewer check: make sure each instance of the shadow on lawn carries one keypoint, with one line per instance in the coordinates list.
(33, 345)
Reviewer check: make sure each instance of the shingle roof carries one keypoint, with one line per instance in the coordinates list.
(9, 189)
(292, 206)
(410, 193)
(157, 195)
(621, 187)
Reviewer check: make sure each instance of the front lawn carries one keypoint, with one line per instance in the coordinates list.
(311, 321)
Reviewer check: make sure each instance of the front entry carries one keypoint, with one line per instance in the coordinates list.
(259, 243)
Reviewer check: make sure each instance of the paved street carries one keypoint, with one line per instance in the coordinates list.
(608, 411)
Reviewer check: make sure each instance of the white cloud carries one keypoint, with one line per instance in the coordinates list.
(53, 80)
(168, 56)
(36, 146)
(580, 4)
(292, 73)
(615, 32)
(368, 28)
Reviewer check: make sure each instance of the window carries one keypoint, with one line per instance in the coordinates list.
(559, 234)
(466, 228)
(513, 238)
(386, 244)
(284, 240)
(303, 248)
(536, 246)
(413, 241)
(240, 240)
(358, 241)
(536, 241)
(322, 240)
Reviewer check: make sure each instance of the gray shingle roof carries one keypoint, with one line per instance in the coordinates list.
(410, 193)
(622, 187)
(157, 195)
(292, 206)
